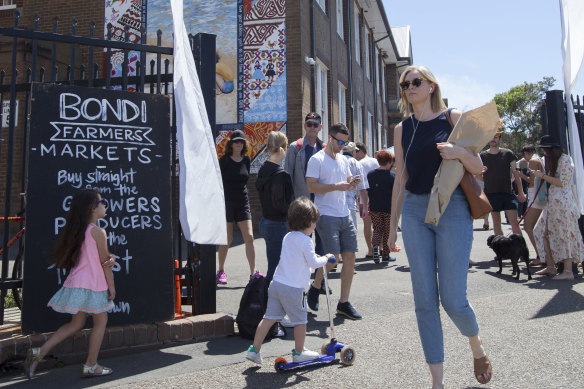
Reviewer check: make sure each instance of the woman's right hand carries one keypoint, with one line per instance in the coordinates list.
(392, 240)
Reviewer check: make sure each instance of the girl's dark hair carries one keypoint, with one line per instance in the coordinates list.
(68, 247)
(229, 147)
(551, 160)
(301, 213)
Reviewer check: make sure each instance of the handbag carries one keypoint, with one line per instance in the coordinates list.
(542, 191)
(477, 200)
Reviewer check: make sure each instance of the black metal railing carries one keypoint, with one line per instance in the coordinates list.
(155, 78)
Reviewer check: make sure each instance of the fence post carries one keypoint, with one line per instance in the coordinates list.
(205, 288)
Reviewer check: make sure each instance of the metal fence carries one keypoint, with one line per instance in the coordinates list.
(44, 63)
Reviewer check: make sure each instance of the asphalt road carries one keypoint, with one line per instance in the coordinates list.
(532, 330)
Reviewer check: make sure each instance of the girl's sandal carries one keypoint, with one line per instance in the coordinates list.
(90, 371)
(482, 367)
(32, 355)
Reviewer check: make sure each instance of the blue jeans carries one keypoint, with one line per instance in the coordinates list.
(273, 233)
(438, 258)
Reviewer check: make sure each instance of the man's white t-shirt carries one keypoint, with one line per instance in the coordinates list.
(329, 171)
(297, 260)
(368, 164)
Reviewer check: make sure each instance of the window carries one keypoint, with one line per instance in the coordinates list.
(382, 81)
(366, 54)
(359, 123)
(376, 62)
(322, 4)
(342, 104)
(7, 4)
(340, 29)
(379, 132)
(370, 133)
(322, 97)
(357, 36)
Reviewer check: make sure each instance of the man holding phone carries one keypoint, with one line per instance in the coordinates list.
(328, 176)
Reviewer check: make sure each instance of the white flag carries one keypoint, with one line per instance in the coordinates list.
(202, 204)
(572, 14)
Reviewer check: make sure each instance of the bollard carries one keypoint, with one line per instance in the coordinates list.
(177, 295)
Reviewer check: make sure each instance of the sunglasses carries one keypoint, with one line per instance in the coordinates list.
(312, 124)
(102, 201)
(239, 141)
(340, 142)
(415, 82)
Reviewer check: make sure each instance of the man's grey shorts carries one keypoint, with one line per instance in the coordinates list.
(286, 300)
(337, 234)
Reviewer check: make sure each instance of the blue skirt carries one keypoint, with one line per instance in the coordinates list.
(73, 300)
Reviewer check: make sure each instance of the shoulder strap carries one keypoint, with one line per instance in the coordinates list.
(299, 143)
(447, 114)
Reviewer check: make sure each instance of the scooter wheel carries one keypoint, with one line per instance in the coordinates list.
(280, 363)
(324, 348)
(348, 355)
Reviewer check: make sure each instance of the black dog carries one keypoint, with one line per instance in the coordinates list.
(513, 248)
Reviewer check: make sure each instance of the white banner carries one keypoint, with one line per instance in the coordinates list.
(572, 14)
(202, 204)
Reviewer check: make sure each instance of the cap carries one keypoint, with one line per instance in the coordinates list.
(313, 117)
(237, 134)
(350, 147)
(548, 141)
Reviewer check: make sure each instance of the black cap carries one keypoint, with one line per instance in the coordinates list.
(313, 117)
(548, 141)
(237, 134)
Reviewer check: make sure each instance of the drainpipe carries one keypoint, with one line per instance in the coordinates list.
(350, 62)
(313, 56)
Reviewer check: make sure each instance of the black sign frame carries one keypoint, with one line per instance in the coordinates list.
(118, 142)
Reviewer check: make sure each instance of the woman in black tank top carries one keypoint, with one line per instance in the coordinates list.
(438, 255)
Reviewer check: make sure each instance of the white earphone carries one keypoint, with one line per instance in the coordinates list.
(431, 89)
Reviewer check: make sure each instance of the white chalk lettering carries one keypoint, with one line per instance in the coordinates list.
(106, 133)
(75, 179)
(71, 107)
(120, 306)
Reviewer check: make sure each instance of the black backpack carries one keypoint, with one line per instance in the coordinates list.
(252, 308)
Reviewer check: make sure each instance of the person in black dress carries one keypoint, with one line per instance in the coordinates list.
(235, 165)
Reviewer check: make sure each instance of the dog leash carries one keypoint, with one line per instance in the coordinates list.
(528, 208)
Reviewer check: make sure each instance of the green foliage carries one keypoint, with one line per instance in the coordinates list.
(519, 112)
(9, 301)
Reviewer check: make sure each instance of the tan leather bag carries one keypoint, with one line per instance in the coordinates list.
(477, 200)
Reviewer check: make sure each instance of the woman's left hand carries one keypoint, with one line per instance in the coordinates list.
(449, 151)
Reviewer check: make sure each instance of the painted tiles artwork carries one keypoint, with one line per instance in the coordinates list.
(212, 17)
(122, 14)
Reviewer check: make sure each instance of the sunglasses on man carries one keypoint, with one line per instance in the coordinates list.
(415, 82)
(340, 142)
(312, 124)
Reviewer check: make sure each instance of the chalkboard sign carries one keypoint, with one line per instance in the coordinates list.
(119, 143)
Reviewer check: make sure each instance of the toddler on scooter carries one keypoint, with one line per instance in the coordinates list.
(286, 294)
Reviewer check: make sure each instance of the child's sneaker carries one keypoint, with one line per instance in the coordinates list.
(256, 275)
(254, 355)
(305, 356)
(221, 277)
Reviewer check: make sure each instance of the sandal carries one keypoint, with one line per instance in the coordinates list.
(482, 367)
(547, 271)
(90, 371)
(32, 355)
(564, 277)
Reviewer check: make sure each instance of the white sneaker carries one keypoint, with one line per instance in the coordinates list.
(285, 322)
(254, 356)
(305, 356)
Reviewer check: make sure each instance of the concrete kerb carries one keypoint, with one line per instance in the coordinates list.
(122, 340)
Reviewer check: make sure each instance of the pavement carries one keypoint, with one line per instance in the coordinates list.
(532, 330)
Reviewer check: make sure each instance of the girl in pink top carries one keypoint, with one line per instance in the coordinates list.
(82, 250)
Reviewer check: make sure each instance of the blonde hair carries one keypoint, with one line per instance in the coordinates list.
(276, 140)
(436, 101)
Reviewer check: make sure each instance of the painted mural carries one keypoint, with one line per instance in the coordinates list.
(218, 17)
(264, 75)
(251, 62)
(124, 14)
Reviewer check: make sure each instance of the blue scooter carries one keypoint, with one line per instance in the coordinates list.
(328, 350)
